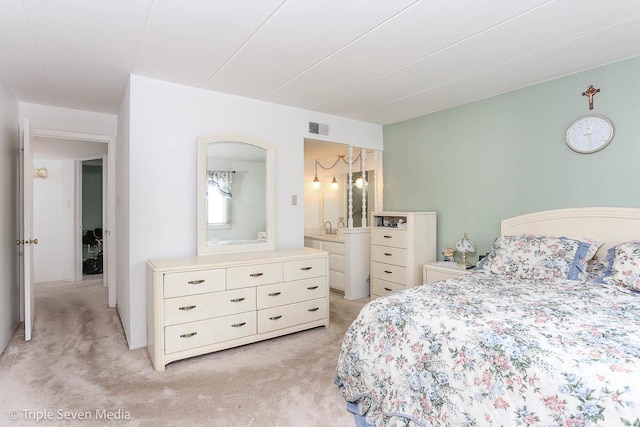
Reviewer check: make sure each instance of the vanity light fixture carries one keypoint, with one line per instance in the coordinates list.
(334, 183)
(316, 181)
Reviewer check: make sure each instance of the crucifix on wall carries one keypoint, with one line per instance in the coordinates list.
(590, 92)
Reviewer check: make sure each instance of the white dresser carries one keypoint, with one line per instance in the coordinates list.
(197, 305)
(401, 243)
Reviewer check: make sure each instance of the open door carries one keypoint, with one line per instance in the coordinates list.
(26, 226)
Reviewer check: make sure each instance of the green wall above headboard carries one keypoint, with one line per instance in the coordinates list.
(479, 163)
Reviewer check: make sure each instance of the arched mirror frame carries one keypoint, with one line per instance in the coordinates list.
(201, 206)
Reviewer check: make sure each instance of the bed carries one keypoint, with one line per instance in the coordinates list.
(546, 332)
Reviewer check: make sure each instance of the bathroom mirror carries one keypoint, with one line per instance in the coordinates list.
(335, 202)
(234, 194)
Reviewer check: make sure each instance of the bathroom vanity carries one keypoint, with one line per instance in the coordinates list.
(349, 259)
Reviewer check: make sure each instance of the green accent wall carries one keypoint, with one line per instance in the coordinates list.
(481, 162)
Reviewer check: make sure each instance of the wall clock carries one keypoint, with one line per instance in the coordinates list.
(589, 134)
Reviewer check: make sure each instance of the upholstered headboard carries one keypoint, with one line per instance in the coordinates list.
(610, 225)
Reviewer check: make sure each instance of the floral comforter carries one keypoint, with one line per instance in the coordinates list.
(482, 350)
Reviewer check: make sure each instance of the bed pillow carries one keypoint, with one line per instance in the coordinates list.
(597, 270)
(625, 266)
(540, 258)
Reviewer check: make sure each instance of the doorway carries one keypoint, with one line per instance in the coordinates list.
(66, 153)
(91, 217)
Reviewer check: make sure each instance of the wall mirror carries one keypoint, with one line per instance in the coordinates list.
(234, 194)
(336, 200)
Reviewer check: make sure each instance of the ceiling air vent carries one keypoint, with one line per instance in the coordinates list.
(318, 128)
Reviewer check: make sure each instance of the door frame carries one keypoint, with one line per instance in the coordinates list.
(109, 221)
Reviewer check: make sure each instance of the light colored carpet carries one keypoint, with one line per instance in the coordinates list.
(78, 362)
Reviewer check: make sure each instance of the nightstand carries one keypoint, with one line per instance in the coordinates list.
(442, 270)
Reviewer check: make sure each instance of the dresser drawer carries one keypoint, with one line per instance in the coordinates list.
(193, 282)
(291, 292)
(286, 316)
(434, 276)
(305, 268)
(254, 275)
(389, 272)
(389, 255)
(389, 237)
(206, 332)
(383, 288)
(215, 304)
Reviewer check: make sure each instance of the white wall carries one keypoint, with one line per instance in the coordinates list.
(53, 221)
(9, 287)
(122, 215)
(68, 120)
(165, 120)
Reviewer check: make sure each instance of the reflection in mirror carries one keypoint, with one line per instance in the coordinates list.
(336, 201)
(234, 195)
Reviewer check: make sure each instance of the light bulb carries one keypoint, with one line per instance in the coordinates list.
(360, 182)
(316, 182)
(334, 183)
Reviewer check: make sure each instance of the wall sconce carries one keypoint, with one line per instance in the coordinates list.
(41, 173)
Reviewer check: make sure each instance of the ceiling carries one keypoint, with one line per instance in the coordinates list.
(378, 61)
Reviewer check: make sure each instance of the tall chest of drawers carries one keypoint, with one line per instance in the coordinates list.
(198, 305)
(401, 243)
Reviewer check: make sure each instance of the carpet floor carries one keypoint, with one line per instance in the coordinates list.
(78, 365)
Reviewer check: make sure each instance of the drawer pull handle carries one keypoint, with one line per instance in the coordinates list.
(274, 317)
(274, 294)
(388, 272)
(388, 237)
(305, 268)
(187, 307)
(387, 289)
(189, 335)
(387, 254)
(195, 282)
(237, 300)
(238, 325)
(314, 309)
(312, 287)
(256, 274)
